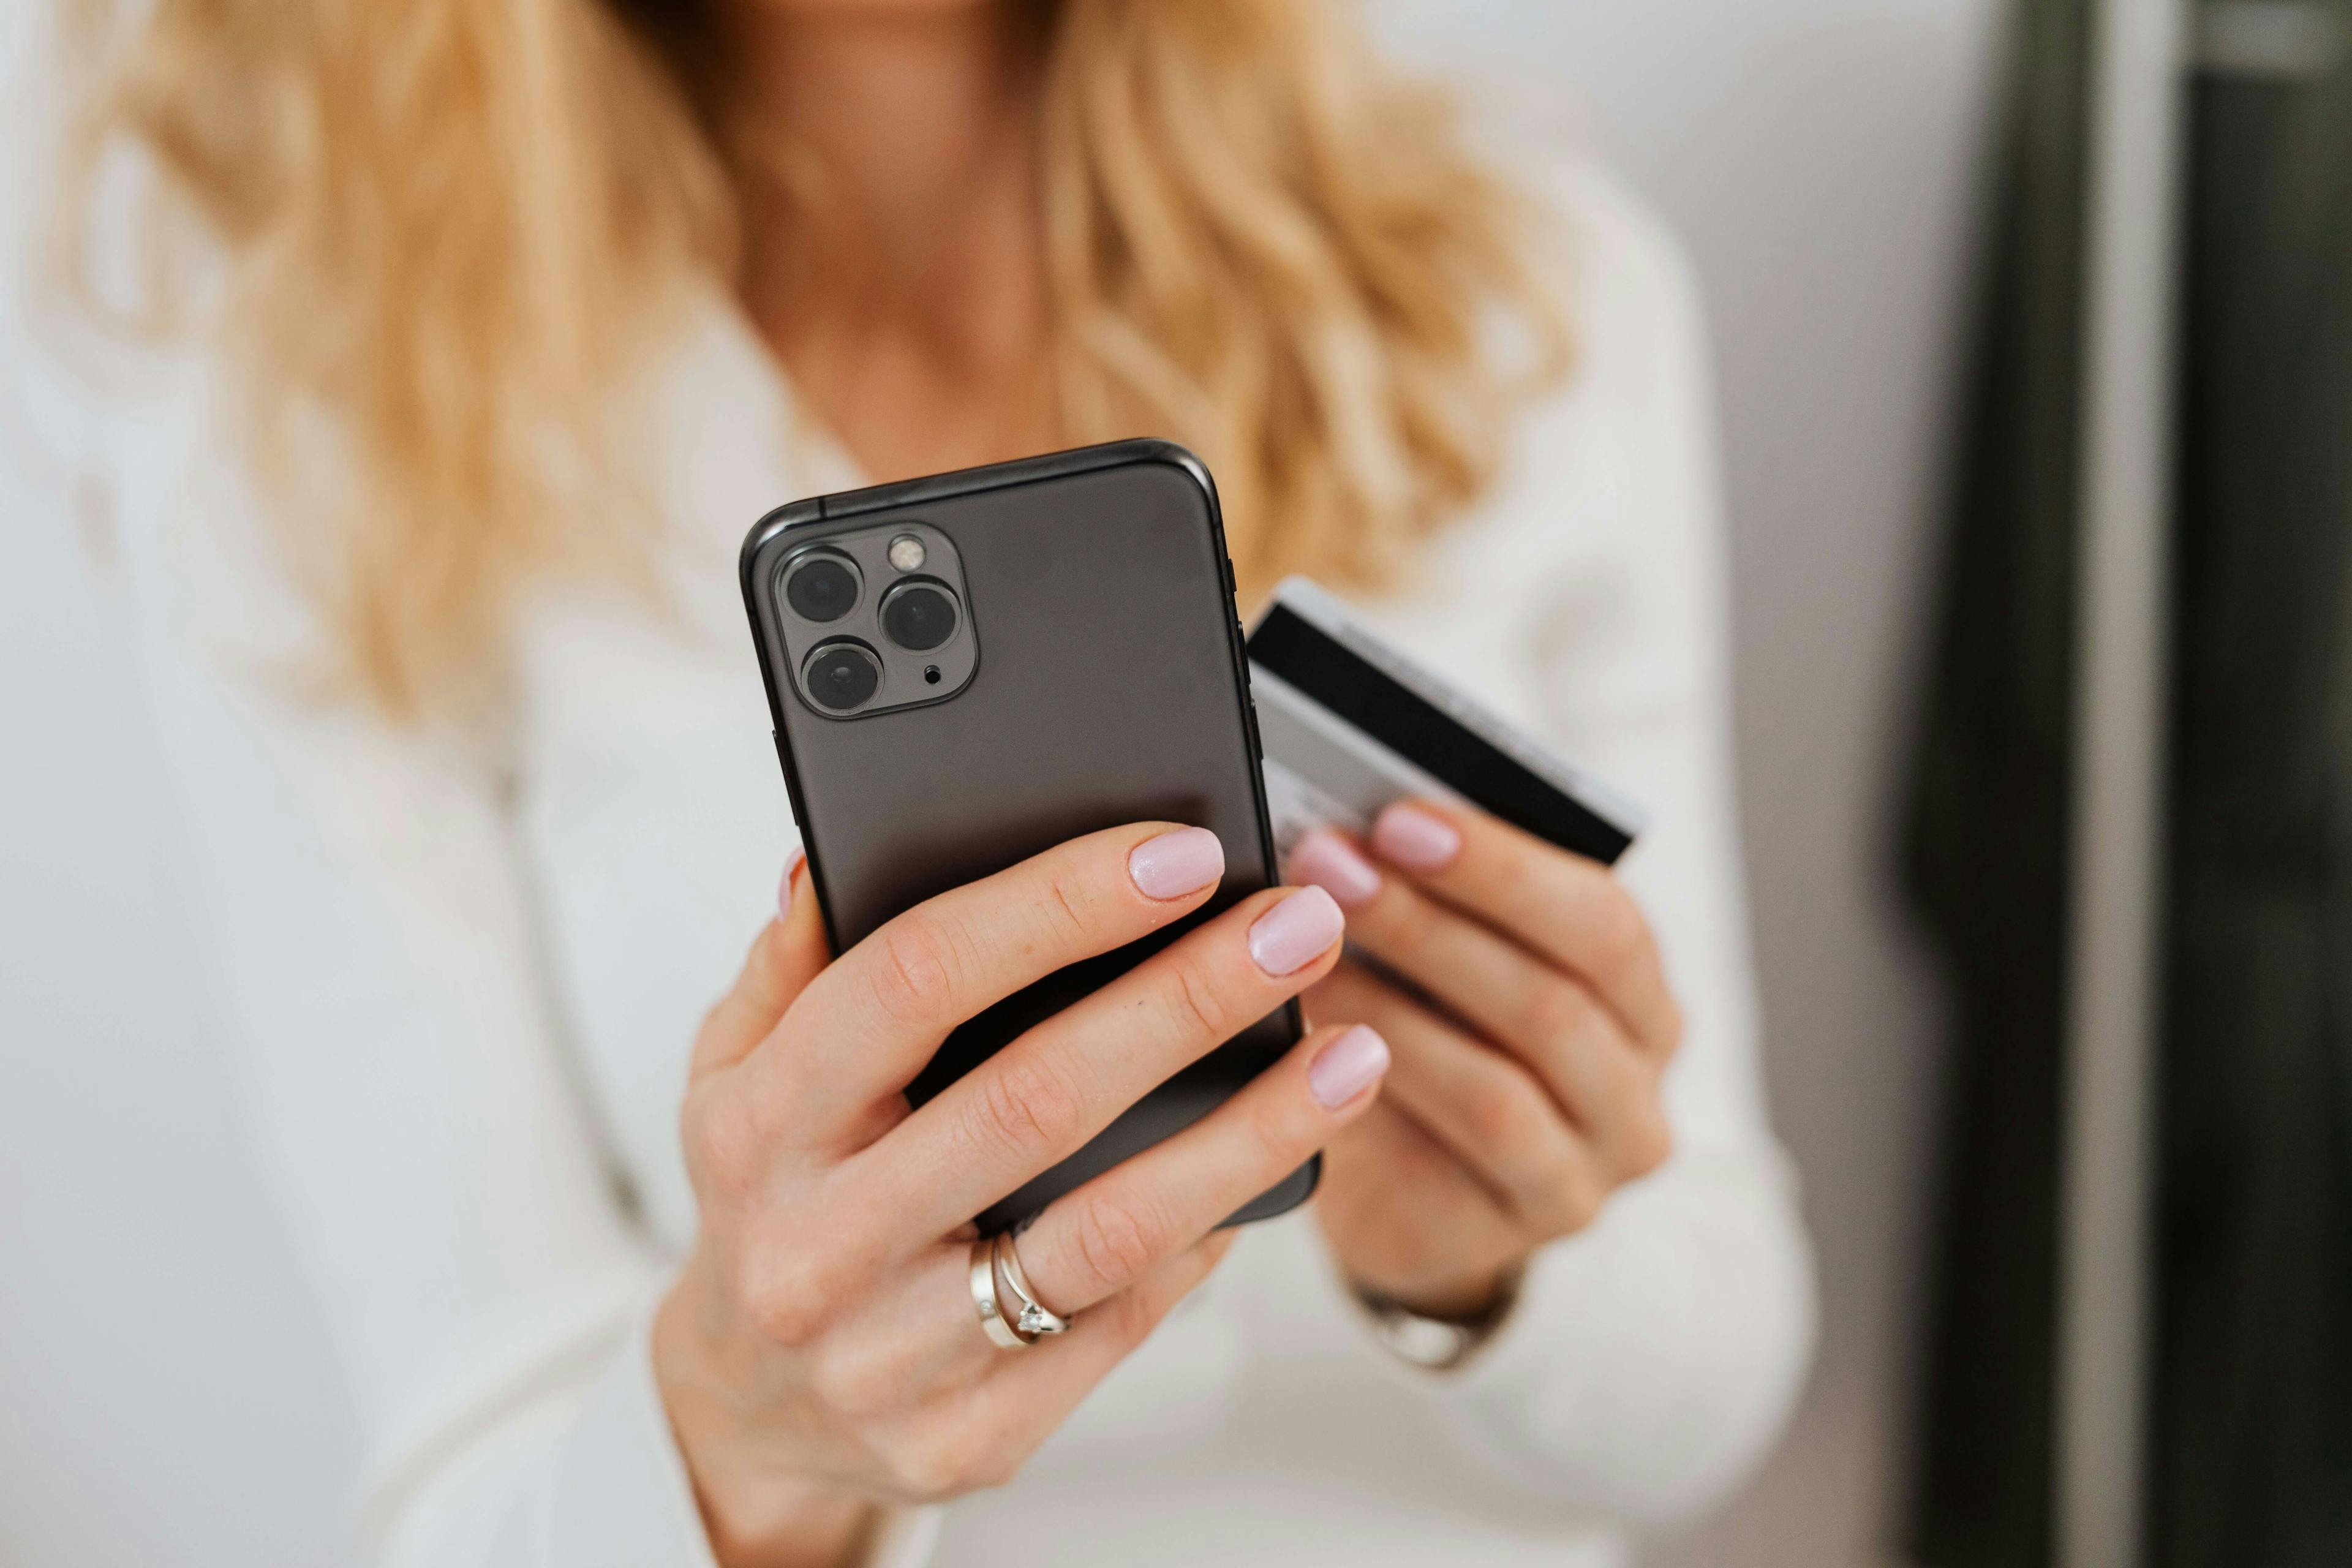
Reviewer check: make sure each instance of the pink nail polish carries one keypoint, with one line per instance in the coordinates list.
(1324, 859)
(1416, 839)
(784, 889)
(1347, 1067)
(1294, 933)
(1176, 864)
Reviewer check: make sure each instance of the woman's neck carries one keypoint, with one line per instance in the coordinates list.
(900, 276)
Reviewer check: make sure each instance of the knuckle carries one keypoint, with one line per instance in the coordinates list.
(1649, 1143)
(1068, 906)
(1025, 1103)
(1116, 1241)
(1518, 879)
(1501, 1116)
(1198, 1001)
(1281, 1134)
(724, 1152)
(784, 1296)
(853, 1387)
(791, 1289)
(1554, 1010)
(945, 1461)
(1617, 933)
(913, 974)
(1575, 1203)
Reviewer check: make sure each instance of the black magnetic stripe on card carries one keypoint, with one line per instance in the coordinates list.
(1416, 729)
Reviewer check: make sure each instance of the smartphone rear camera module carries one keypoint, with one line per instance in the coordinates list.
(919, 615)
(869, 619)
(840, 677)
(821, 588)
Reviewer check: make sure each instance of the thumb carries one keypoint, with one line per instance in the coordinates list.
(790, 951)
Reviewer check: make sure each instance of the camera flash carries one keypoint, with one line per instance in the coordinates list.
(906, 553)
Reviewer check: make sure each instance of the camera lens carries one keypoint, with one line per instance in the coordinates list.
(841, 676)
(821, 588)
(919, 615)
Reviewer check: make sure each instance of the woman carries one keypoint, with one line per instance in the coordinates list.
(527, 309)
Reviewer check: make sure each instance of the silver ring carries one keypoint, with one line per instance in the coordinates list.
(1034, 1320)
(985, 1300)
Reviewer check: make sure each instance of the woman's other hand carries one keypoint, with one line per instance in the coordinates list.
(1522, 990)
(820, 1351)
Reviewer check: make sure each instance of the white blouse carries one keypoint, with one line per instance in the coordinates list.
(466, 980)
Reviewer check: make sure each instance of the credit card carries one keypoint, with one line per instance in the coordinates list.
(1348, 725)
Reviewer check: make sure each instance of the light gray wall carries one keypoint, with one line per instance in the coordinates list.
(1820, 158)
(162, 1397)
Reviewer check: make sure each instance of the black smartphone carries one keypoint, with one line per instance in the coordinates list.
(967, 669)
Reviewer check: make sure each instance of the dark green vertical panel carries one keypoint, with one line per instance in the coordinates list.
(1988, 836)
(2250, 1453)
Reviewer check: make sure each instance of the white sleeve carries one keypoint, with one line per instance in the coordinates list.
(1652, 1360)
(484, 1286)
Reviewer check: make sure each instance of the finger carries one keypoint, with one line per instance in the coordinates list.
(787, 955)
(1579, 1050)
(981, 1435)
(1576, 1049)
(1111, 1329)
(912, 1339)
(1569, 909)
(1486, 1106)
(866, 1025)
(1092, 1243)
(1504, 990)
(1400, 1174)
(1402, 1215)
(1040, 1099)
(917, 1340)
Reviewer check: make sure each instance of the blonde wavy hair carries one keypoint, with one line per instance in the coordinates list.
(446, 224)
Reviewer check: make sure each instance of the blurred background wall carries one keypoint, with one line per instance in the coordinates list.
(162, 1397)
(1820, 159)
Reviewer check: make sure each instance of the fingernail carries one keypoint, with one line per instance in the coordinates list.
(1295, 932)
(1177, 862)
(1415, 838)
(1347, 1067)
(784, 889)
(1324, 859)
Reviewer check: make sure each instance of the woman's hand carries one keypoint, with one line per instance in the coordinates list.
(821, 1351)
(1531, 1021)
